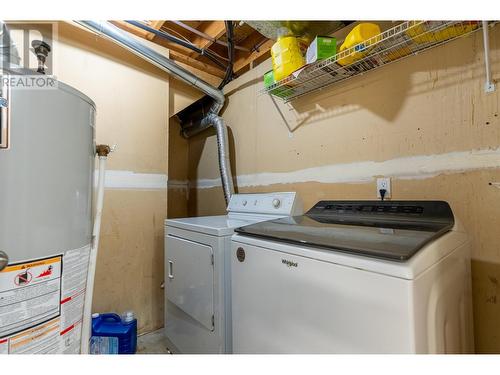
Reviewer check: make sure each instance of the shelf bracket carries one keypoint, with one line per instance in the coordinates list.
(489, 85)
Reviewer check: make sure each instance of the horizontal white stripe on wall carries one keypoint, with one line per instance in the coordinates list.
(178, 184)
(116, 179)
(414, 167)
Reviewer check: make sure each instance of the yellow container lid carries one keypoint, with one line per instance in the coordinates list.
(359, 34)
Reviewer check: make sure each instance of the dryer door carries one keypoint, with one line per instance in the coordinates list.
(190, 278)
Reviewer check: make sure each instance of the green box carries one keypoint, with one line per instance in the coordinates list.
(269, 79)
(322, 47)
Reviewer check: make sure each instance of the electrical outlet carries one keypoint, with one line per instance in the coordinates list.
(384, 183)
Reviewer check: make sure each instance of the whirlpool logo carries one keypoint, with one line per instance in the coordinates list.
(289, 263)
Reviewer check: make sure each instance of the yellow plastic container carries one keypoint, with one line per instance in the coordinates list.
(421, 32)
(286, 57)
(361, 38)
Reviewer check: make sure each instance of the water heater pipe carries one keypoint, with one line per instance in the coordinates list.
(130, 43)
(102, 152)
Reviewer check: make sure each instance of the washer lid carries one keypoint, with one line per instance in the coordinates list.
(388, 230)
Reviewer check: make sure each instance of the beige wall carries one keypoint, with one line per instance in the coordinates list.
(183, 94)
(132, 100)
(431, 105)
(178, 189)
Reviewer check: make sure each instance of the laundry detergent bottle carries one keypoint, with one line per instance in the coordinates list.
(286, 54)
(112, 325)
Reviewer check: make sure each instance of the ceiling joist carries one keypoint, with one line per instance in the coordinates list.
(155, 25)
(258, 45)
(255, 46)
(214, 29)
(176, 53)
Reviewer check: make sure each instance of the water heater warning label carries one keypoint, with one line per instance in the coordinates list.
(30, 294)
(41, 304)
(41, 339)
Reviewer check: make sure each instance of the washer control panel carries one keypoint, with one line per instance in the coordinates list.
(282, 203)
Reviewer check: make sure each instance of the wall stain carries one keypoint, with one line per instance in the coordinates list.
(472, 110)
(493, 280)
(491, 299)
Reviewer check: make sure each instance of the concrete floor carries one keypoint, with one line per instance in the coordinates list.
(152, 343)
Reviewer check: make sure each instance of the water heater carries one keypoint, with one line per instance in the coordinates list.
(47, 153)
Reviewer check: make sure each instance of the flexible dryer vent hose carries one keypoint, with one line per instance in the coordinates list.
(223, 152)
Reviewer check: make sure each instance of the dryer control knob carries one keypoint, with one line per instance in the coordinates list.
(276, 203)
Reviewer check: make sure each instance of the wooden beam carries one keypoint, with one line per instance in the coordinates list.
(144, 34)
(214, 29)
(244, 59)
(176, 53)
(155, 25)
(131, 28)
(137, 30)
(176, 56)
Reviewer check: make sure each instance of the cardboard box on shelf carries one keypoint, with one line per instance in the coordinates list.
(321, 48)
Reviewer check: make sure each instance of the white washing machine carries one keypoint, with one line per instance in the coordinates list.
(197, 270)
(354, 277)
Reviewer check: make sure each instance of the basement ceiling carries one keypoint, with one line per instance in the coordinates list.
(252, 47)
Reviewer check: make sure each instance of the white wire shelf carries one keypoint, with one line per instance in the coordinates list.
(406, 39)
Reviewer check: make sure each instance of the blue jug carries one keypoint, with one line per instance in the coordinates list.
(112, 325)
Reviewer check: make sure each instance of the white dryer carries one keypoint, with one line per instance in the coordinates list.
(197, 270)
(354, 277)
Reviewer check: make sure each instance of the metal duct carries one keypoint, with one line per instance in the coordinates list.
(211, 119)
(222, 146)
(123, 39)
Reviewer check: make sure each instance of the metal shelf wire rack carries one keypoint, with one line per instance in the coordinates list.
(406, 39)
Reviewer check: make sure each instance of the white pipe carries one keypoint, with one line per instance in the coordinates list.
(489, 86)
(89, 291)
